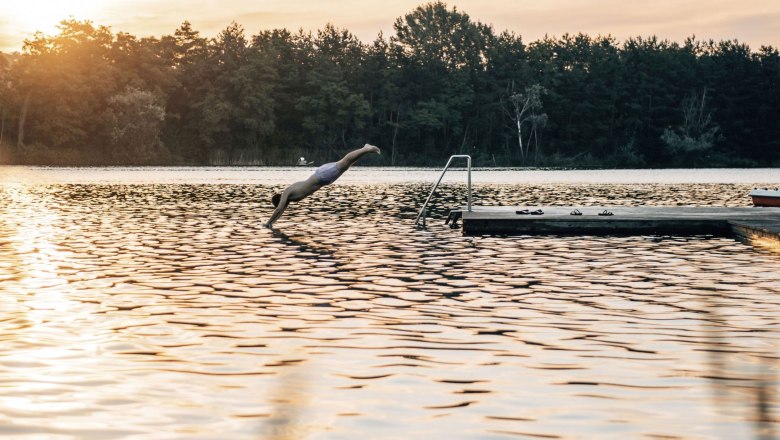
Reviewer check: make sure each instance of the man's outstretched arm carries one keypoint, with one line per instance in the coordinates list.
(283, 202)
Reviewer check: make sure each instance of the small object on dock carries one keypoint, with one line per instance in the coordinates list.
(605, 213)
(576, 212)
(522, 212)
(527, 212)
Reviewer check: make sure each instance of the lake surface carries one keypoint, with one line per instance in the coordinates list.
(151, 303)
(366, 175)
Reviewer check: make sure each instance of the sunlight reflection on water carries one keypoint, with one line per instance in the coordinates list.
(160, 311)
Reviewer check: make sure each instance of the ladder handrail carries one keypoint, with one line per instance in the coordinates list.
(468, 164)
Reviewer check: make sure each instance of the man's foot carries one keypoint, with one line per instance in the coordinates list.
(372, 149)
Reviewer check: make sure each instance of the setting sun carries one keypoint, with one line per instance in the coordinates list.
(44, 15)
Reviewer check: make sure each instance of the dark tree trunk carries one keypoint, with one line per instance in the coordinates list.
(395, 134)
(2, 126)
(465, 137)
(22, 118)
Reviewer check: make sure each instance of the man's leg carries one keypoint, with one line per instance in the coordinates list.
(353, 156)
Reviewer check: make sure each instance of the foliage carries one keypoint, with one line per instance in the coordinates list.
(526, 108)
(135, 119)
(696, 135)
(441, 84)
(332, 112)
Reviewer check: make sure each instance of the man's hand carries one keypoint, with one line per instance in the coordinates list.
(372, 149)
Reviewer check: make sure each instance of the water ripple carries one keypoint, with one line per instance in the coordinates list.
(160, 311)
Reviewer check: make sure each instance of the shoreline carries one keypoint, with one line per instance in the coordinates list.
(763, 177)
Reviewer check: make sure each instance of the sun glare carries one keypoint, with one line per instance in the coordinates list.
(43, 15)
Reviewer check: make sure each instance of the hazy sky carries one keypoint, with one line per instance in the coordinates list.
(756, 22)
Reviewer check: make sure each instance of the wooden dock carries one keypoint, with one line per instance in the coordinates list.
(749, 223)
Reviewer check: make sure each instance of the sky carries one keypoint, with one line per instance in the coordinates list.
(756, 22)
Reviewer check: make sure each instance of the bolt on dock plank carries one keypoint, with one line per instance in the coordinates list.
(643, 220)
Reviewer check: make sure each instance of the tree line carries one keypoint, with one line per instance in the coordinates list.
(442, 84)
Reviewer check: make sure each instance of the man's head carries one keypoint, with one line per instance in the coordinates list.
(275, 199)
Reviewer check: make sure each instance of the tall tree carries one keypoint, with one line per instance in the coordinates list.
(696, 135)
(527, 111)
(441, 53)
(193, 75)
(236, 111)
(292, 56)
(332, 106)
(4, 100)
(135, 118)
(63, 82)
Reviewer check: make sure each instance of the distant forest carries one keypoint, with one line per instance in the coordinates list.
(442, 84)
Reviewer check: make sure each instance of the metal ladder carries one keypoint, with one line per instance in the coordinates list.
(422, 212)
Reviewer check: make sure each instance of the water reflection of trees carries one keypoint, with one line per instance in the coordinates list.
(743, 379)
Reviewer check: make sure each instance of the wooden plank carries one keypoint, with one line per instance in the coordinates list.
(622, 211)
(640, 220)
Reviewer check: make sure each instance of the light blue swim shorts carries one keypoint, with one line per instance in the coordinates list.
(327, 173)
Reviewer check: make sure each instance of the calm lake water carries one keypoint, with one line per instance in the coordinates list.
(151, 303)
